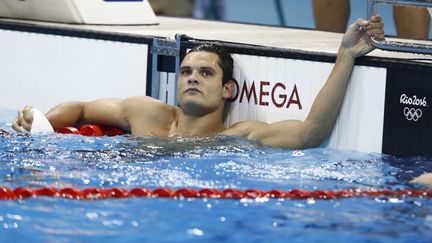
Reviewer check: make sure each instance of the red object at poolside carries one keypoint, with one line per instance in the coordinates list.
(92, 130)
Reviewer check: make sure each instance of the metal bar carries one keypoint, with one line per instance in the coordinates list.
(177, 66)
(154, 87)
(415, 3)
(396, 45)
(280, 12)
(162, 47)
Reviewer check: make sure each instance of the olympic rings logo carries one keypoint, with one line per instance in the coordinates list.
(412, 114)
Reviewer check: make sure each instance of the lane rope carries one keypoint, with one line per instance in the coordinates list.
(94, 193)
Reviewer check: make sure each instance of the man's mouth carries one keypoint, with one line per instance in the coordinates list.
(192, 90)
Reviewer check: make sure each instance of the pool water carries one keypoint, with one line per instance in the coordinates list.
(221, 162)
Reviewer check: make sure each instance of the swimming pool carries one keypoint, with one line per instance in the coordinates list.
(223, 162)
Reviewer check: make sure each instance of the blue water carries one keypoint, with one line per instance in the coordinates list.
(221, 162)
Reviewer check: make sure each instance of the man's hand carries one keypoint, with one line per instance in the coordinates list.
(356, 42)
(24, 120)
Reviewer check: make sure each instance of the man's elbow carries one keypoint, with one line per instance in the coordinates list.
(311, 143)
(300, 142)
(313, 136)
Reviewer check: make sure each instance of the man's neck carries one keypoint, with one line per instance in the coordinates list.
(189, 125)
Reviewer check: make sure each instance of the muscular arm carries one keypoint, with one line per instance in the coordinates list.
(320, 121)
(322, 116)
(140, 115)
(105, 112)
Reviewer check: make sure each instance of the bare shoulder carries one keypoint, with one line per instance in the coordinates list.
(145, 104)
(244, 128)
(140, 100)
(148, 115)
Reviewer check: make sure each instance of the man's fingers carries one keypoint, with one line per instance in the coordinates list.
(379, 34)
(16, 126)
(372, 25)
(20, 116)
(28, 115)
(375, 28)
(358, 24)
(23, 121)
(376, 18)
(26, 126)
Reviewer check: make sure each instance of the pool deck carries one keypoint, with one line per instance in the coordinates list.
(270, 36)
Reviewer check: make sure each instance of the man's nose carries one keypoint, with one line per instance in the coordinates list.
(192, 80)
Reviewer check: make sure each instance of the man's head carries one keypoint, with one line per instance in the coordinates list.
(204, 80)
(225, 62)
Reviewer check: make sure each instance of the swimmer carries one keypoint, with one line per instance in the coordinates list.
(204, 85)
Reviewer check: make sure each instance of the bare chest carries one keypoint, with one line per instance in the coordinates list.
(153, 127)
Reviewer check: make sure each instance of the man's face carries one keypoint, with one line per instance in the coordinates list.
(200, 87)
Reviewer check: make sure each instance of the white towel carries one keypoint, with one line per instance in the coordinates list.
(40, 123)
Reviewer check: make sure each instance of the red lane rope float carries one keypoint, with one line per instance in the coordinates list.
(94, 193)
(92, 130)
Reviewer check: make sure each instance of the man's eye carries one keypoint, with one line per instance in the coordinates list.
(185, 72)
(206, 73)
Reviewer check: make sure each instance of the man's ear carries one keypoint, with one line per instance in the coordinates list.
(228, 90)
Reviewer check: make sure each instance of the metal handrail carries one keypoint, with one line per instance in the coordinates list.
(280, 12)
(397, 45)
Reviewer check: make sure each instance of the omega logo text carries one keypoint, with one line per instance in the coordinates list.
(264, 93)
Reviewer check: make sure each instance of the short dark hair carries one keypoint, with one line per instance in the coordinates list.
(225, 60)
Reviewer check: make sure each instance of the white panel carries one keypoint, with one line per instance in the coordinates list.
(281, 79)
(167, 87)
(44, 70)
(171, 86)
(360, 122)
(162, 86)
